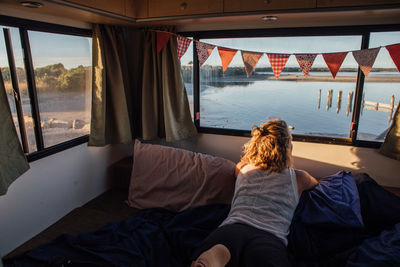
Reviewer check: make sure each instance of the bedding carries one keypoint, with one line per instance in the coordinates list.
(346, 220)
(159, 237)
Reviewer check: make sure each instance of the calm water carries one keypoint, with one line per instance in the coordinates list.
(240, 107)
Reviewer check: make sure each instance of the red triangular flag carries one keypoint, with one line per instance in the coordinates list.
(203, 51)
(226, 55)
(334, 61)
(305, 61)
(162, 40)
(183, 45)
(394, 51)
(278, 62)
(250, 60)
(366, 58)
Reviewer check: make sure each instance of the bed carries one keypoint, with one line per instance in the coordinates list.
(177, 197)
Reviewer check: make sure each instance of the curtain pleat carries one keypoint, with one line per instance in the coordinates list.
(391, 144)
(13, 162)
(137, 92)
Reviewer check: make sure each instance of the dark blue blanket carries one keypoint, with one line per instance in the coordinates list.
(153, 237)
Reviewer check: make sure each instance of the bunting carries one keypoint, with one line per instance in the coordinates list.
(204, 50)
(394, 51)
(162, 40)
(226, 55)
(183, 45)
(334, 61)
(278, 62)
(305, 61)
(366, 58)
(250, 60)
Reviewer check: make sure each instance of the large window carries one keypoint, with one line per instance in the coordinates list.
(48, 79)
(319, 107)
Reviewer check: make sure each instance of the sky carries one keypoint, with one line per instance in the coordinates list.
(73, 51)
(49, 48)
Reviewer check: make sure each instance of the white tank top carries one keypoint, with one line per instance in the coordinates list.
(265, 200)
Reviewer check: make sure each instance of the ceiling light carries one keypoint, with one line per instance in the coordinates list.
(31, 4)
(269, 18)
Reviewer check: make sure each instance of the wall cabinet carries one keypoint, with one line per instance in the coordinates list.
(347, 3)
(260, 5)
(163, 8)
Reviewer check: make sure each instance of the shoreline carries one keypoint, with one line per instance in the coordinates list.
(294, 77)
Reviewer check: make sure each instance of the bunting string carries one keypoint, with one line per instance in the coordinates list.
(365, 58)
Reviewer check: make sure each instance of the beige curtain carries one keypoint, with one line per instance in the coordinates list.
(136, 92)
(391, 145)
(13, 162)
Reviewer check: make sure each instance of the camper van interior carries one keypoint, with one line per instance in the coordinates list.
(122, 122)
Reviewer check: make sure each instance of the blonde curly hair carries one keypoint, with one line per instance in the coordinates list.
(270, 146)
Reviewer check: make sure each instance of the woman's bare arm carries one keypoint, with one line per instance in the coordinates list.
(305, 180)
(239, 166)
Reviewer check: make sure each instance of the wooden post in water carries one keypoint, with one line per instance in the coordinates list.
(319, 99)
(327, 101)
(391, 108)
(349, 103)
(330, 100)
(339, 101)
(362, 104)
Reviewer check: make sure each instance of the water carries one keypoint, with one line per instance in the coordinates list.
(240, 107)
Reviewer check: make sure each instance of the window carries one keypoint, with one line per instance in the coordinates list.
(233, 101)
(319, 107)
(62, 65)
(381, 90)
(47, 76)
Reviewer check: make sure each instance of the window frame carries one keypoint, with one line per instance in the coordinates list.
(24, 26)
(364, 31)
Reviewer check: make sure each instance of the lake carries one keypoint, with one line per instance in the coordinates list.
(239, 105)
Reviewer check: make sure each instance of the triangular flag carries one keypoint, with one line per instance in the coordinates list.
(183, 45)
(226, 55)
(305, 61)
(162, 40)
(394, 51)
(366, 58)
(334, 61)
(250, 60)
(203, 51)
(278, 62)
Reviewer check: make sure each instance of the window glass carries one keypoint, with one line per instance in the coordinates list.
(234, 101)
(62, 66)
(380, 87)
(22, 84)
(187, 73)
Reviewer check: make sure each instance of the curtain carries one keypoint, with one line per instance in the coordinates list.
(13, 162)
(391, 144)
(137, 92)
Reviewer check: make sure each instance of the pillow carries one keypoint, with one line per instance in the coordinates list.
(391, 145)
(327, 219)
(177, 179)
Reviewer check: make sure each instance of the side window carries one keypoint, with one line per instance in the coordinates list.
(381, 91)
(317, 105)
(61, 71)
(62, 66)
(19, 90)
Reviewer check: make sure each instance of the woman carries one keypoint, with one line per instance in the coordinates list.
(266, 194)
